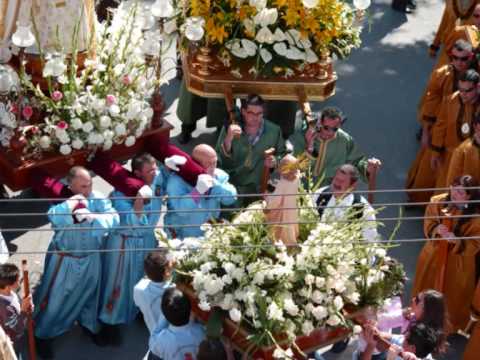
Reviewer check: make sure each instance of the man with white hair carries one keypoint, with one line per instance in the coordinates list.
(200, 203)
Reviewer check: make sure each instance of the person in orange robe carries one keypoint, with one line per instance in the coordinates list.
(466, 157)
(445, 263)
(454, 124)
(456, 12)
(447, 132)
(467, 32)
(472, 350)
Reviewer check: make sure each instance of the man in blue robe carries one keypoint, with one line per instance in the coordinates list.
(123, 270)
(200, 203)
(70, 286)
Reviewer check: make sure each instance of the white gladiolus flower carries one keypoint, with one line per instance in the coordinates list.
(265, 55)
(235, 315)
(120, 129)
(381, 253)
(118, 69)
(45, 142)
(266, 17)
(338, 302)
(290, 307)
(264, 35)
(77, 144)
(310, 4)
(307, 328)
(105, 121)
(213, 285)
(54, 67)
(87, 127)
(320, 312)
(65, 149)
(130, 141)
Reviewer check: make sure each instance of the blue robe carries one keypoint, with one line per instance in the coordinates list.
(72, 292)
(122, 271)
(176, 186)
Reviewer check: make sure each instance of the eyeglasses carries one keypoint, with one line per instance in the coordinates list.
(466, 90)
(460, 58)
(328, 128)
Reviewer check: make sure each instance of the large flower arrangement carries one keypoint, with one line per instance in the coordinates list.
(104, 104)
(274, 34)
(272, 289)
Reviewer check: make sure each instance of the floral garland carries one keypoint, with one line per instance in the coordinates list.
(107, 102)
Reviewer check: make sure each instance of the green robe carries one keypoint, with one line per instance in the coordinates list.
(245, 162)
(328, 155)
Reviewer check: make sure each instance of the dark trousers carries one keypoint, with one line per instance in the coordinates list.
(152, 356)
(399, 5)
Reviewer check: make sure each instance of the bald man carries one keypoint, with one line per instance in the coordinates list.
(70, 286)
(196, 205)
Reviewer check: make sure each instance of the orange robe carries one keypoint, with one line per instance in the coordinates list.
(459, 281)
(465, 160)
(472, 350)
(446, 135)
(454, 14)
(453, 125)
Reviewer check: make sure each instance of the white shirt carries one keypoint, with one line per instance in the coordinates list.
(177, 342)
(3, 250)
(147, 295)
(337, 210)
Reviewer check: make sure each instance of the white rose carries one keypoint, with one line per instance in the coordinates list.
(91, 139)
(203, 305)
(235, 315)
(105, 121)
(213, 285)
(76, 123)
(309, 279)
(107, 145)
(319, 282)
(320, 312)
(307, 328)
(333, 320)
(77, 144)
(45, 142)
(290, 307)
(318, 297)
(120, 129)
(65, 149)
(114, 110)
(87, 127)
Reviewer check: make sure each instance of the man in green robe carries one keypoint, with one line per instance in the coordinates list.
(241, 148)
(192, 108)
(328, 147)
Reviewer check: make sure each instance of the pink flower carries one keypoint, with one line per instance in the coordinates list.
(126, 80)
(14, 109)
(27, 112)
(62, 125)
(111, 99)
(35, 130)
(57, 95)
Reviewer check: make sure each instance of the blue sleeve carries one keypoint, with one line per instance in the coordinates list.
(127, 215)
(226, 190)
(177, 187)
(105, 218)
(158, 342)
(60, 215)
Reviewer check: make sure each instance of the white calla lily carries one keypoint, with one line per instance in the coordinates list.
(249, 46)
(280, 48)
(264, 36)
(266, 17)
(310, 4)
(265, 55)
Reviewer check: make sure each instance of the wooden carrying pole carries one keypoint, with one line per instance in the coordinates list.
(474, 314)
(443, 248)
(31, 336)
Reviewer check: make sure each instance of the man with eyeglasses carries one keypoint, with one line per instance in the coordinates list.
(328, 147)
(454, 124)
(241, 148)
(443, 82)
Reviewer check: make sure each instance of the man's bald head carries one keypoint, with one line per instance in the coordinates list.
(80, 181)
(206, 156)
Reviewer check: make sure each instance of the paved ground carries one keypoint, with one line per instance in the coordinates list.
(378, 88)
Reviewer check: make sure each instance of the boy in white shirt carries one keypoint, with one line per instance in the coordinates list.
(148, 292)
(181, 339)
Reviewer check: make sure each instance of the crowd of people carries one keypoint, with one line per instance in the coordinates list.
(102, 290)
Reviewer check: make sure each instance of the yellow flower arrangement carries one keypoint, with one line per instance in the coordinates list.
(273, 32)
